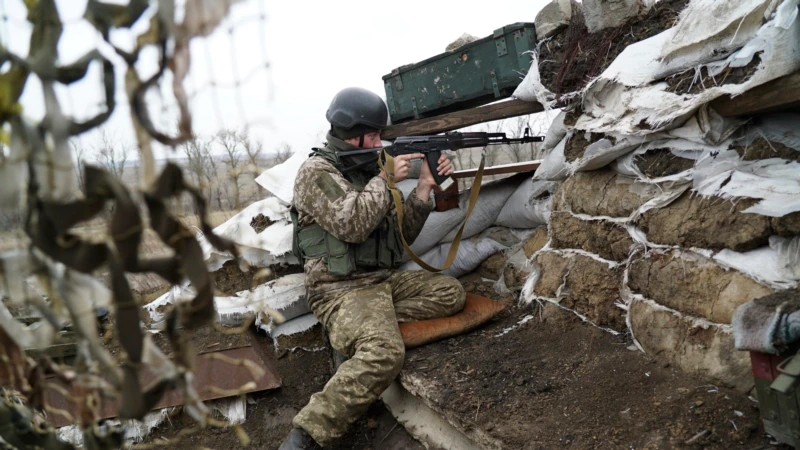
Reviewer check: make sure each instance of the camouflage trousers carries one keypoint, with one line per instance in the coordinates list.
(362, 324)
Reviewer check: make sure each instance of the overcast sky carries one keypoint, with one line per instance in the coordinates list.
(312, 49)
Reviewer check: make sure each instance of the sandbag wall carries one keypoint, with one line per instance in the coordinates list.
(649, 255)
(669, 216)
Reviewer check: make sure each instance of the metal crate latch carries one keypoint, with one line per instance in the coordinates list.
(500, 42)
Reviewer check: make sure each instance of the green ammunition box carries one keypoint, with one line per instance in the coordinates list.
(477, 73)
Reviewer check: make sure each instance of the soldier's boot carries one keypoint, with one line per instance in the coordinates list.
(298, 439)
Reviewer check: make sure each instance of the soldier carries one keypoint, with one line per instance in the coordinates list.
(346, 232)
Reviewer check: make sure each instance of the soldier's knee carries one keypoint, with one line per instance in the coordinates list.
(394, 353)
(454, 294)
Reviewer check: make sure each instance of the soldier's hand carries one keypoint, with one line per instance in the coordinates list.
(445, 167)
(402, 164)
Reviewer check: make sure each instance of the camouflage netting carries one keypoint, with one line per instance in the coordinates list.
(53, 279)
(668, 216)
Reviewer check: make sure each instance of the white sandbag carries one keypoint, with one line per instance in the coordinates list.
(775, 181)
(290, 327)
(438, 225)
(531, 88)
(286, 295)
(233, 310)
(555, 133)
(704, 133)
(279, 180)
(470, 255)
(554, 166)
(707, 26)
(777, 265)
(528, 206)
(492, 198)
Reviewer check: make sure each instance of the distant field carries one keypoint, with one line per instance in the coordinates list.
(95, 230)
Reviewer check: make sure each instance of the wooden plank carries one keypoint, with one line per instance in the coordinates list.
(527, 166)
(777, 94)
(461, 119)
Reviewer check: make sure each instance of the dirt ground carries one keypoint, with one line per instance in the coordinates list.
(556, 382)
(270, 413)
(551, 382)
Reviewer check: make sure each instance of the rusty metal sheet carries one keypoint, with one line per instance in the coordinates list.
(207, 372)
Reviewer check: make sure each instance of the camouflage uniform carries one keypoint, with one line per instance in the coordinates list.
(361, 311)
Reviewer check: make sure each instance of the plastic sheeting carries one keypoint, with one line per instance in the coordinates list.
(285, 295)
(279, 180)
(271, 246)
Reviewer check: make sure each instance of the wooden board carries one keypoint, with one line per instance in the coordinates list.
(777, 94)
(461, 119)
(527, 166)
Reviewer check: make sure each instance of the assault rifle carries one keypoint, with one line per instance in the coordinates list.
(432, 146)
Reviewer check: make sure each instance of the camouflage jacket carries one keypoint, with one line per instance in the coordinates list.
(323, 195)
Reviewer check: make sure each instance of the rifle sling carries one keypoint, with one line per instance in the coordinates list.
(398, 204)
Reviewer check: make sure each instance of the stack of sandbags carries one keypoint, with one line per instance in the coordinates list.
(669, 216)
(506, 212)
(646, 251)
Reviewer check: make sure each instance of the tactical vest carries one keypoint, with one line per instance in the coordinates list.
(381, 250)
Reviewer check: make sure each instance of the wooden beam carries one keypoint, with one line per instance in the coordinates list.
(461, 119)
(777, 94)
(527, 166)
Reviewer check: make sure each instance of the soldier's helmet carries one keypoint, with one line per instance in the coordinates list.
(356, 107)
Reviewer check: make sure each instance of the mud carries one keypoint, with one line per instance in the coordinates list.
(535, 241)
(661, 162)
(693, 285)
(554, 382)
(260, 223)
(705, 352)
(590, 287)
(598, 193)
(229, 279)
(576, 145)
(492, 267)
(764, 149)
(786, 226)
(574, 57)
(207, 338)
(270, 413)
(603, 238)
(694, 82)
(707, 222)
(551, 276)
